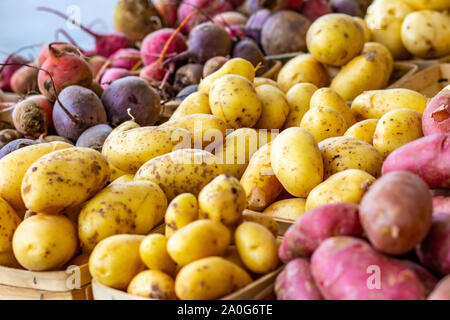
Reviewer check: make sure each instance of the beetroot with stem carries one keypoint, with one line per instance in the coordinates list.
(153, 72)
(105, 44)
(29, 118)
(155, 42)
(168, 10)
(62, 46)
(46, 105)
(113, 74)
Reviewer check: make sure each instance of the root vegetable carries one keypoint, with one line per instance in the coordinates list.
(112, 75)
(29, 118)
(24, 80)
(187, 75)
(154, 43)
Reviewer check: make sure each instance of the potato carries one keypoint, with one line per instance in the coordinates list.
(70, 177)
(442, 290)
(9, 222)
(234, 100)
(197, 102)
(436, 117)
(347, 268)
(426, 33)
(123, 179)
(428, 4)
(396, 212)
(182, 210)
(121, 208)
(21, 160)
(289, 209)
(260, 183)
(125, 126)
(236, 66)
(366, 31)
(345, 186)
(303, 68)
(298, 97)
(181, 171)
(334, 39)
(130, 149)
(330, 220)
(259, 81)
(363, 130)
(374, 104)
(222, 200)
(264, 220)
(45, 242)
(152, 284)
(369, 71)
(210, 278)
(232, 255)
(428, 280)
(115, 261)
(384, 19)
(199, 239)
(323, 122)
(296, 161)
(342, 153)
(275, 107)
(116, 173)
(396, 128)
(257, 247)
(153, 252)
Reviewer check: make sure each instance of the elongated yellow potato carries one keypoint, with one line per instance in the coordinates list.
(9, 220)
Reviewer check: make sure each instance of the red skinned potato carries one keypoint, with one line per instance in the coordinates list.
(434, 251)
(428, 157)
(396, 212)
(442, 290)
(347, 268)
(318, 224)
(429, 281)
(441, 204)
(296, 282)
(436, 117)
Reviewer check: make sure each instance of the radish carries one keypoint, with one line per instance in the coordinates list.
(210, 7)
(113, 74)
(105, 44)
(154, 43)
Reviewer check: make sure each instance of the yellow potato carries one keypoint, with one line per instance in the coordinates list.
(369, 71)
(384, 19)
(363, 130)
(116, 173)
(375, 103)
(259, 81)
(181, 171)
(153, 252)
(345, 186)
(327, 97)
(234, 100)
(121, 208)
(296, 161)
(210, 278)
(426, 33)
(45, 242)
(323, 122)
(199, 239)
(197, 102)
(127, 125)
(275, 107)
(14, 165)
(298, 97)
(303, 68)
(342, 153)
(232, 255)
(9, 220)
(115, 261)
(222, 200)
(70, 177)
(286, 209)
(396, 128)
(429, 4)
(334, 39)
(153, 284)
(257, 247)
(262, 219)
(366, 31)
(236, 66)
(260, 183)
(181, 211)
(130, 149)
(123, 179)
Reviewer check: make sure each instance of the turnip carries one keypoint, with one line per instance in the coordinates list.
(105, 44)
(168, 11)
(94, 137)
(187, 75)
(24, 80)
(255, 24)
(154, 44)
(313, 9)
(113, 74)
(125, 58)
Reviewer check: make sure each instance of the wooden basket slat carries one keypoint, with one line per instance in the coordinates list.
(16, 293)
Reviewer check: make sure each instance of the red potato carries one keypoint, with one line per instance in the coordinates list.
(441, 204)
(434, 251)
(396, 212)
(436, 117)
(442, 290)
(313, 9)
(428, 157)
(318, 224)
(113, 74)
(296, 282)
(428, 280)
(347, 268)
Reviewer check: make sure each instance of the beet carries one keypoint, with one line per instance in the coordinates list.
(350, 7)
(8, 135)
(153, 72)
(24, 80)
(16, 145)
(273, 5)
(96, 63)
(154, 43)
(313, 9)
(125, 58)
(46, 105)
(213, 64)
(97, 88)
(7, 72)
(85, 107)
(29, 118)
(256, 22)
(113, 74)
(135, 94)
(61, 46)
(230, 18)
(187, 75)
(249, 50)
(46, 139)
(167, 11)
(183, 94)
(94, 137)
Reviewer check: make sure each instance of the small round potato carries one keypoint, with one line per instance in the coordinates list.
(197, 102)
(396, 128)
(153, 252)
(181, 211)
(45, 242)
(9, 220)
(222, 200)
(257, 247)
(363, 130)
(298, 97)
(275, 107)
(289, 209)
(153, 284)
(323, 122)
